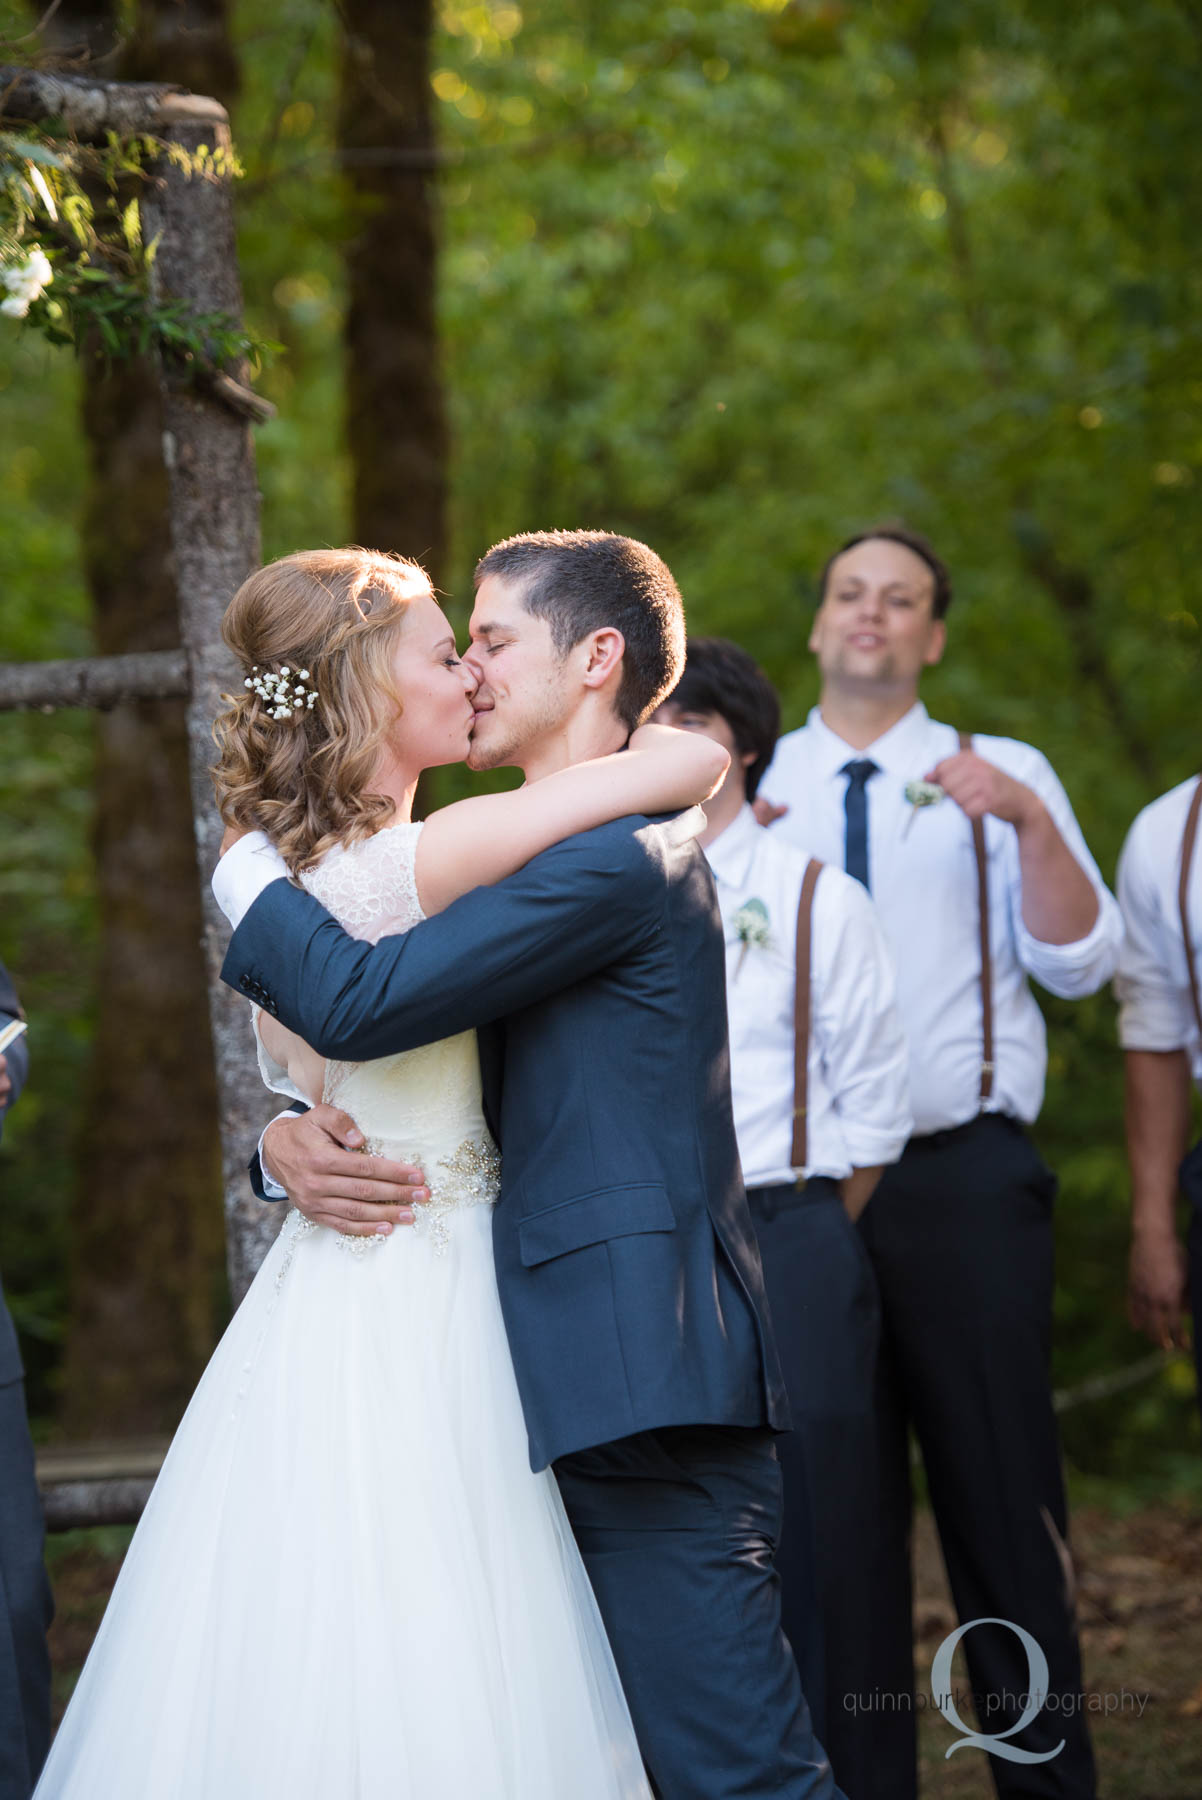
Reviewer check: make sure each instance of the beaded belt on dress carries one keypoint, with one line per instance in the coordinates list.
(470, 1176)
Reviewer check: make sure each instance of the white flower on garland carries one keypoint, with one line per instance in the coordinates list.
(920, 794)
(284, 696)
(753, 929)
(25, 282)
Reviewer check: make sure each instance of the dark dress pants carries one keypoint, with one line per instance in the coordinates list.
(678, 1529)
(25, 1606)
(1191, 1186)
(960, 1235)
(826, 1318)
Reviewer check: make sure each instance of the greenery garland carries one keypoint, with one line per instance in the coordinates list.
(73, 263)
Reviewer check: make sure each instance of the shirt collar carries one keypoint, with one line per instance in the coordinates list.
(731, 854)
(898, 751)
(685, 826)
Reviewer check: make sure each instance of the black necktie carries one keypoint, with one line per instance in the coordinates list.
(855, 805)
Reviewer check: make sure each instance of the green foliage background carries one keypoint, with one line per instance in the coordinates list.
(735, 277)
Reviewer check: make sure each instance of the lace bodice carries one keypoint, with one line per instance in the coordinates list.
(421, 1106)
(370, 888)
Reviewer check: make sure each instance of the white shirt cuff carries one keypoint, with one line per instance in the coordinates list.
(1073, 970)
(685, 826)
(243, 872)
(868, 1146)
(1151, 1018)
(271, 1187)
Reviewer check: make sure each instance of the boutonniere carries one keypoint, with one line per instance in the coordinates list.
(752, 929)
(919, 794)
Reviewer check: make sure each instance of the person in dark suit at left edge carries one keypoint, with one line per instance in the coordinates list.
(26, 1606)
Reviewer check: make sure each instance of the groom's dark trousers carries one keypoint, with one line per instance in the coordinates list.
(626, 1261)
(677, 1529)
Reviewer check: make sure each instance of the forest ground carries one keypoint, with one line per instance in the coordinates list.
(1140, 1600)
(1139, 1578)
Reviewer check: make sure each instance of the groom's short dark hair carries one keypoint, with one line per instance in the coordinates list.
(582, 581)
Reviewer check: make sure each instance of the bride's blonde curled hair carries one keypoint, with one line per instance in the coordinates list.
(304, 779)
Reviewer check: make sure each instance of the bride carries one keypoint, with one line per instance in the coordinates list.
(348, 1584)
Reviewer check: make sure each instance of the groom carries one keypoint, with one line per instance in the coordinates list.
(626, 1261)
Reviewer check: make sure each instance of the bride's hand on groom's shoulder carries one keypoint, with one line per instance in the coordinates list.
(318, 1160)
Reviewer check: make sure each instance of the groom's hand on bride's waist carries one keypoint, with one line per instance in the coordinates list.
(317, 1158)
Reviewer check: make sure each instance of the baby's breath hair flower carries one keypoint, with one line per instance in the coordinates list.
(284, 695)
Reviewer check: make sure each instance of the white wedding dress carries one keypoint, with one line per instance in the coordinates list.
(347, 1584)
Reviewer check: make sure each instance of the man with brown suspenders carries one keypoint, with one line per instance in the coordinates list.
(1160, 1028)
(819, 1081)
(981, 879)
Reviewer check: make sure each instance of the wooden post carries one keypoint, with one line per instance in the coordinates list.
(97, 682)
(215, 535)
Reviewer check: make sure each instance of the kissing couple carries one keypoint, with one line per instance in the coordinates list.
(482, 1507)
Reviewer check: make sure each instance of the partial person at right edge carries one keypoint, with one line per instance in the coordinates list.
(962, 843)
(26, 1606)
(1159, 987)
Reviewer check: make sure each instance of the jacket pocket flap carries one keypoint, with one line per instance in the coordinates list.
(591, 1219)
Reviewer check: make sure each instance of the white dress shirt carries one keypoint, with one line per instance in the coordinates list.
(923, 876)
(1156, 1011)
(858, 1091)
(248, 867)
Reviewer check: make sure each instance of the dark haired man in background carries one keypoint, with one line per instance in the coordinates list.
(819, 1078)
(982, 879)
(26, 1607)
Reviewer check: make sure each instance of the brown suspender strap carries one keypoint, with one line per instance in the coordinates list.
(978, 844)
(801, 1015)
(1187, 857)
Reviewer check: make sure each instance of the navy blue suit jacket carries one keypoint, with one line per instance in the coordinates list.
(627, 1264)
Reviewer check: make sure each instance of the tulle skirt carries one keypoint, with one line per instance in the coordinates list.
(347, 1584)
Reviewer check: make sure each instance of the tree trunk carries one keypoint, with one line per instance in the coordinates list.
(396, 422)
(215, 533)
(184, 41)
(147, 1239)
